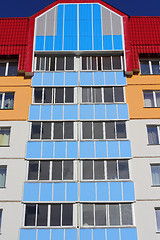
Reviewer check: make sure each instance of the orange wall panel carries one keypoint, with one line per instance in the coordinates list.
(134, 96)
(22, 98)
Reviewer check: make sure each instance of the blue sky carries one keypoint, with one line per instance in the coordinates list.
(21, 8)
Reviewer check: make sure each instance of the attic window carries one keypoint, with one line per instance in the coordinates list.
(8, 67)
(150, 66)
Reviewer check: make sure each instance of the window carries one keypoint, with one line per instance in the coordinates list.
(103, 130)
(104, 170)
(54, 95)
(51, 170)
(153, 134)
(151, 98)
(155, 170)
(150, 67)
(54, 63)
(3, 170)
(101, 63)
(102, 94)
(8, 68)
(97, 214)
(54, 130)
(158, 219)
(48, 215)
(4, 136)
(0, 218)
(6, 100)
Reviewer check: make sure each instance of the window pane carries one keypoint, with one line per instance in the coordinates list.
(38, 95)
(99, 170)
(155, 175)
(35, 133)
(152, 135)
(121, 129)
(2, 69)
(94, 67)
(158, 99)
(110, 130)
(57, 170)
(42, 215)
(59, 95)
(89, 63)
(3, 170)
(126, 214)
(114, 214)
(158, 219)
(58, 130)
(112, 170)
(148, 99)
(33, 170)
(42, 63)
(155, 67)
(69, 63)
(12, 69)
(47, 63)
(30, 215)
(87, 130)
(0, 218)
(88, 219)
(86, 94)
(97, 95)
(68, 130)
(116, 62)
(67, 215)
(68, 170)
(38, 63)
(52, 68)
(1, 101)
(123, 169)
(46, 130)
(99, 64)
(4, 136)
(69, 95)
(98, 130)
(108, 94)
(44, 170)
(55, 215)
(100, 215)
(106, 63)
(8, 100)
(144, 67)
(118, 94)
(87, 169)
(84, 63)
(60, 63)
(48, 95)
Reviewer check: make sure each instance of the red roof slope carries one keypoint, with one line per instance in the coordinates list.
(14, 38)
(144, 37)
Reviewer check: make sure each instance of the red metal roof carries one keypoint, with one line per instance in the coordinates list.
(14, 38)
(144, 37)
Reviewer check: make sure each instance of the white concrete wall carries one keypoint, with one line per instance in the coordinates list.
(18, 139)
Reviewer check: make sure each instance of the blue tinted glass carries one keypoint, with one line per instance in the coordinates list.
(145, 67)
(8, 101)
(0, 218)
(2, 69)
(148, 99)
(0, 101)
(155, 67)
(12, 69)
(152, 135)
(155, 175)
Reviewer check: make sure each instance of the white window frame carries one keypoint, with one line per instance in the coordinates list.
(154, 98)
(50, 171)
(3, 100)
(7, 62)
(104, 130)
(107, 215)
(158, 132)
(150, 65)
(52, 131)
(49, 215)
(105, 171)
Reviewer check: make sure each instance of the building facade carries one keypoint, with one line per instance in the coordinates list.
(82, 150)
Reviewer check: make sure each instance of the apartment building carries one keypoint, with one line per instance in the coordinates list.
(80, 139)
